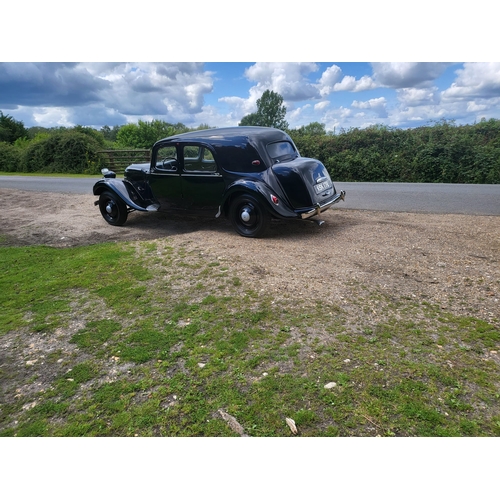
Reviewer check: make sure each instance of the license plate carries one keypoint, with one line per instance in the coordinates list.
(322, 186)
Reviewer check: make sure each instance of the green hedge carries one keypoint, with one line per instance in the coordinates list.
(61, 152)
(10, 157)
(439, 153)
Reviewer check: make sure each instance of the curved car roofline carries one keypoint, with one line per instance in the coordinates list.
(215, 134)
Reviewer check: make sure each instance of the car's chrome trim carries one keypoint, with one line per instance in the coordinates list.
(201, 174)
(165, 173)
(321, 208)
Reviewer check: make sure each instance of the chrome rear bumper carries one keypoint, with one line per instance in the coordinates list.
(321, 208)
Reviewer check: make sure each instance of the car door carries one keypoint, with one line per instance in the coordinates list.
(165, 176)
(202, 182)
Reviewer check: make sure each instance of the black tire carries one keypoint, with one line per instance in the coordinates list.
(112, 208)
(248, 217)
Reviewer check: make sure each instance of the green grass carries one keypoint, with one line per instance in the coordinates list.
(152, 340)
(39, 282)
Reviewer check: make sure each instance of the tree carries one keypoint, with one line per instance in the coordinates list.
(203, 126)
(270, 112)
(37, 131)
(143, 135)
(314, 128)
(109, 133)
(10, 129)
(253, 119)
(90, 132)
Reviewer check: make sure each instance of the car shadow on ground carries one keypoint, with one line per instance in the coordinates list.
(164, 224)
(59, 220)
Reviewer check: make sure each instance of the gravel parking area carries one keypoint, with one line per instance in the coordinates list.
(450, 260)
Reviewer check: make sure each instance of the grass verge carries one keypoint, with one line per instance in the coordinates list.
(150, 339)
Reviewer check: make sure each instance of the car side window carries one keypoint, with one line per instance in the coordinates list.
(166, 158)
(199, 159)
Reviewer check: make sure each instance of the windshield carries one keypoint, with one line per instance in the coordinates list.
(282, 151)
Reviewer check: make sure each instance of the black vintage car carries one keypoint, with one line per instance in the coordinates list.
(248, 174)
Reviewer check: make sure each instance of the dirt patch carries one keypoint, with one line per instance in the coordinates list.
(451, 260)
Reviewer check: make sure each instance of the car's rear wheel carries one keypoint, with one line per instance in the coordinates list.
(248, 217)
(113, 209)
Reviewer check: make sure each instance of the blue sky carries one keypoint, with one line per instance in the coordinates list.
(339, 94)
(39, 84)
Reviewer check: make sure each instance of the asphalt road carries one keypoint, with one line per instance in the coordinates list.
(473, 199)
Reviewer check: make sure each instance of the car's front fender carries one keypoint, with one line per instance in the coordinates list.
(127, 192)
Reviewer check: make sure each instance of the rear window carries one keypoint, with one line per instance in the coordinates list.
(282, 150)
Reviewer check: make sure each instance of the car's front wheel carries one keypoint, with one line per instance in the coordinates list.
(113, 209)
(248, 217)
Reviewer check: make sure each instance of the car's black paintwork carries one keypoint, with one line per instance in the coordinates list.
(245, 174)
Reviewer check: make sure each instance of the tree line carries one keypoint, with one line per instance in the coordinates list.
(438, 152)
(74, 149)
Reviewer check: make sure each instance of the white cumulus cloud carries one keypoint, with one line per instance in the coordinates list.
(378, 106)
(417, 96)
(321, 105)
(475, 80)
(290, 80)
(332, 80)
(407, 74)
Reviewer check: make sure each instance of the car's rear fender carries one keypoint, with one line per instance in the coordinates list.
(127, 192)
(261, 192)
(299, 179)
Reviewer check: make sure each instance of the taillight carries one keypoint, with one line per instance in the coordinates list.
(274, 199)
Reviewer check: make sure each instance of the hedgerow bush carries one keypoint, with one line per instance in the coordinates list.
(10, 157)
(63, 152)
(442, 152)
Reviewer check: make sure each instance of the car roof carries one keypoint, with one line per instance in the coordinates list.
(215, 135)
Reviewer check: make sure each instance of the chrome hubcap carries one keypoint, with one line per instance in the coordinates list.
(109, 207)
(245, 215)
